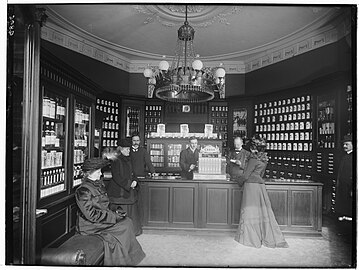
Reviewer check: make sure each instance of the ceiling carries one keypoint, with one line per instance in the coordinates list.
(223, 32)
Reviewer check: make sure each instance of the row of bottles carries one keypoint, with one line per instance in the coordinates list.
(49, 159)
(282, 103)
(156, 151)
(54, 107)
(82, 113)
(173, 155)
(132, 120)
(52, 134)
(52, 181)
(111, 124)
(219, 119)
(78, 175)
(326, 123)
(290, 146)
(219, 111)
(53, 144)
(153, 116)
(286, 124)
(109, 143)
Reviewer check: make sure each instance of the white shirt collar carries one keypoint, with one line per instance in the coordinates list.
(349, 152)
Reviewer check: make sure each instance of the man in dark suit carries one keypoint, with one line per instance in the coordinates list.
(189, 159)
(344, 202)
(140, 159)
(237, 160)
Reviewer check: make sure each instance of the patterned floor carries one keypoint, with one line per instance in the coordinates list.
(334, 249)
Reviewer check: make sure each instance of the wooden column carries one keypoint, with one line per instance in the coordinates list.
(31, 137)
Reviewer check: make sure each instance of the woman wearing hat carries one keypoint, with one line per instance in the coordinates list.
(257, 223)
(95, 218)
(123, 186)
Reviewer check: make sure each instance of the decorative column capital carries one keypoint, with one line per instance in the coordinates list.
(11, 21)
(40, 16)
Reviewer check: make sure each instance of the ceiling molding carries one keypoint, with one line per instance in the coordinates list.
(200, 16)
(301, 42)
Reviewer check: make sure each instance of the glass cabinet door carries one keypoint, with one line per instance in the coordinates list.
(326, 123)
(81, 139)
(53, 150)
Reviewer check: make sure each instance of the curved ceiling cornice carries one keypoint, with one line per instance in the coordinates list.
(330, 26)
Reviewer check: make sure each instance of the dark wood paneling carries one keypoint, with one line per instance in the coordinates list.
(73, 216)
(236, 205)
(183, 205)
(158, 204)
(54, 227)
(279, 202)
(217, 206)
(302, 208)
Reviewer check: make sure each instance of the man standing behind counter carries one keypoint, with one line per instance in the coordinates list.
(189, 159)
(237, 160)
(140, 159)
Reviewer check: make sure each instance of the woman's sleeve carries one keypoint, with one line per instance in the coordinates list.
(87, 205)
(249, 169)
(118, 176)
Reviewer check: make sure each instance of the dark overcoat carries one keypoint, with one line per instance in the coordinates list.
(140, 160)
(188, 157)
(344, 187)
(95, 218)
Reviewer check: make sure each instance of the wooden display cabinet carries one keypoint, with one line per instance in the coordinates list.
(67, 117)
(165, 152)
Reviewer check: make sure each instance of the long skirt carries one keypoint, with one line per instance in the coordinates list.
(257, 223)
(121, 247)
(132, 211)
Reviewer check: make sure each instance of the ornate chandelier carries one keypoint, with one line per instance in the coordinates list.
(182, 82)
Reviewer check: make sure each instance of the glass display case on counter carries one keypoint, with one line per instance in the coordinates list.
(165, 152)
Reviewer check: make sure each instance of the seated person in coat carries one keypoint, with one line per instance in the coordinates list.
(121, 247)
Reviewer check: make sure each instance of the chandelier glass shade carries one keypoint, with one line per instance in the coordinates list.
(186, 80)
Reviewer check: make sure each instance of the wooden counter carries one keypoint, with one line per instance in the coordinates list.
(214, 205)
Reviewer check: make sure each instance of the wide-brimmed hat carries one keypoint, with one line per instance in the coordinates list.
(347, 138)
(94, 164)
(258, 141)
(124, 143)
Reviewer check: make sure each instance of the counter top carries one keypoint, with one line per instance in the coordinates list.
(177, 179)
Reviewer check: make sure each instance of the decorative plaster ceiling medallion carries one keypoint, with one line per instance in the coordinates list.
(198, 15)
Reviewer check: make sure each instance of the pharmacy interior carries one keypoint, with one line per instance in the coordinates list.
(299, 98)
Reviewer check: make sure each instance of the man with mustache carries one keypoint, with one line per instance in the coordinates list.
(140, 159)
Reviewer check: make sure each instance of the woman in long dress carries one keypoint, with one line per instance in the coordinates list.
(121, 247)
(257, 223)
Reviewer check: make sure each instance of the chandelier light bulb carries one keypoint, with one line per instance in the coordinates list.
(148, 73)
(220, 73)
(163, 65)
(197, 64)
(152, 80)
